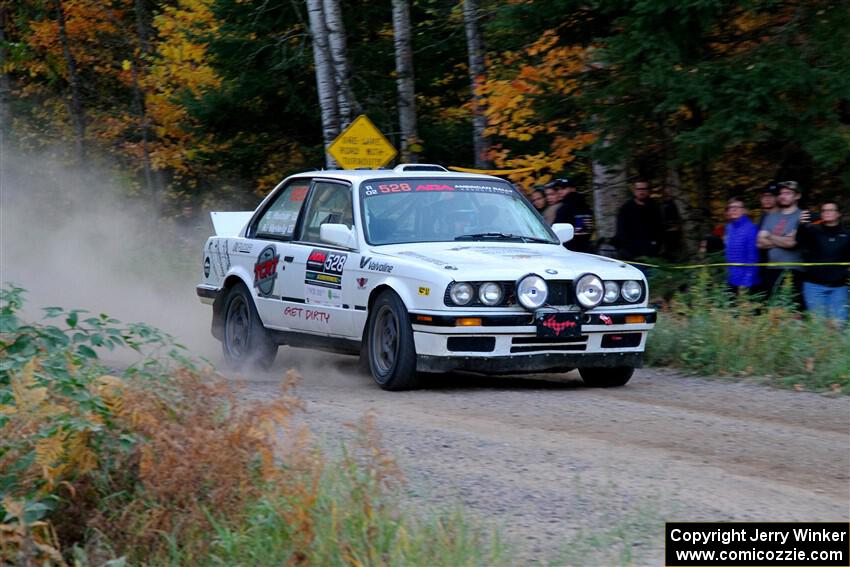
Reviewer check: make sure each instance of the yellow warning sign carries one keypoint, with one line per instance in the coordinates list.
(361, 145)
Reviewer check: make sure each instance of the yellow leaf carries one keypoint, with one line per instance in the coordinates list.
(126, 65)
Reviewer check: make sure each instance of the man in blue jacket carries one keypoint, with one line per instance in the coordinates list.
(741, 235)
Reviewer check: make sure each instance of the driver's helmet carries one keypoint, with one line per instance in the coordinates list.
(462, 219)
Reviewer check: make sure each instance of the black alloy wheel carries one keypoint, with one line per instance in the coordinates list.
(392, 353)
(245, 342)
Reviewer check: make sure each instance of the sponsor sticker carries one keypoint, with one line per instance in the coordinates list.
(367, 263)
(325, 269)
(265, 270)
(424, 291)
(361, 283)
(320, 295)
(307, 314)
(207, 267)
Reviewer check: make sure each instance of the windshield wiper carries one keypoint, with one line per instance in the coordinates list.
(503, 236)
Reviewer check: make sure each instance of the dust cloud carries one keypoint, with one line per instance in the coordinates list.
(79, 240)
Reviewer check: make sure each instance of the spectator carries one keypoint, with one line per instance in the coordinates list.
(538, 199)
(741, 235)
(639, 228)
(778, 235)
(554, 195)
(825, 287)
(767, 200)
(574, 210)
(672, 221)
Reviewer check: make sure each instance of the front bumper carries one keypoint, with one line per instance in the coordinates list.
(510, 343)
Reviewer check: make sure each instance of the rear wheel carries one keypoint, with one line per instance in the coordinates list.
(390, 347)
(606, 377)
(245, 342)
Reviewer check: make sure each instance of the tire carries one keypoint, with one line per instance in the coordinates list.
(390, 348)
(245, 342)
(606, 377)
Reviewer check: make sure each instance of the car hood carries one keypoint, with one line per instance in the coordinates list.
(508, 261)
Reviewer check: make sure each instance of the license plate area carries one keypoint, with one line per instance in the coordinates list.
(558, 324)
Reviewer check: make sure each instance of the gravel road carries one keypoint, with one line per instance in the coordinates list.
(573, 475)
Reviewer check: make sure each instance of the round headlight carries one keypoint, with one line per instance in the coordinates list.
(612, 292)
(589, 290)
(490, 293)
(532, 291)
(461, 293)
(632, 291)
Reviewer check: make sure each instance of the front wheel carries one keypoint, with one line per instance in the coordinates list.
(606, 377)
(245, 342)
(390, 347)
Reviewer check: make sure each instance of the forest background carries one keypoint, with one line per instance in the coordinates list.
(210, 103)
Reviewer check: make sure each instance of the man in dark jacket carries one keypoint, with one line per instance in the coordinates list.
(574, 210)
(825, 287)
(639, 225)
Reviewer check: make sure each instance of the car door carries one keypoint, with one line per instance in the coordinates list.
(317, 269)
(270, 234)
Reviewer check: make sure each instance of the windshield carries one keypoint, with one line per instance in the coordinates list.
(401, 210)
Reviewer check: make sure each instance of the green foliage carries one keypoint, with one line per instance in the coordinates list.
(711, 333)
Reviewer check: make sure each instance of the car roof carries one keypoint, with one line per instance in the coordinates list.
(358, 175)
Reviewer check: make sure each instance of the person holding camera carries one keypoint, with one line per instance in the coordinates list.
(825, 287)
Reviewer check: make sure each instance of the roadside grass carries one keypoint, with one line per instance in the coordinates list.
(160, 464)
(709, 332)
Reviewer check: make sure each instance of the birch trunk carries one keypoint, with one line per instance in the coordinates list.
(338, 50)
(325, 81)
(477, 74)
(610, 191)
(76, 110)
(404, 80)
(139, 100)
(5, 86)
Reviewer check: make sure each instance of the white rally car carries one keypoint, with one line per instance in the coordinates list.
(418, 269)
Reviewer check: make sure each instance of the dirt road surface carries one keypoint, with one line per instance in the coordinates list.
(573, 475)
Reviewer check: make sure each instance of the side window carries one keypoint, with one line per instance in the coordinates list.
(279, 219)
(329, 203)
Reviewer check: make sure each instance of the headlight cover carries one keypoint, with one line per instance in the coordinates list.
(631, 291)
(589, 290)
(612, 292)
(490, 293)
(532, 291)
(461, 293)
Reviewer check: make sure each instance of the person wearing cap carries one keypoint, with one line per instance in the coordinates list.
(574, 210)
(639, 225)
(825, 287)
(555, 192)
(778, 235)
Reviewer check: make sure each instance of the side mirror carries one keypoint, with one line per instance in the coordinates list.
(338, 234)
(564, 231)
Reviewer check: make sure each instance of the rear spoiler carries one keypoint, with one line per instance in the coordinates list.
(230, 224)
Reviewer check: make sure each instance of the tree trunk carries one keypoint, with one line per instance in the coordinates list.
(5, 86)
(338, 51)
(477, 74)
(325, 81)
(139, 101)
(77, 112)
(609, 193)
(404, 81)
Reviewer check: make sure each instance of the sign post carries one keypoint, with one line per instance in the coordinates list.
(361, 145)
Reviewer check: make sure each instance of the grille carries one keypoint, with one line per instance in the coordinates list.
(543, 344)
(471, 344)
(621, 340)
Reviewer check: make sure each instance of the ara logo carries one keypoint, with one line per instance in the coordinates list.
(606, 319)
(361, 283)
(375, 266)
(265, 270)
